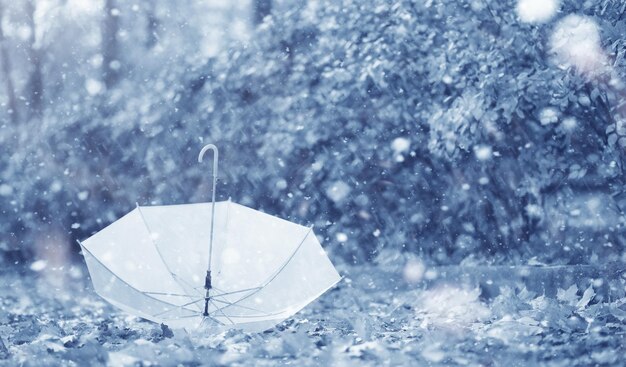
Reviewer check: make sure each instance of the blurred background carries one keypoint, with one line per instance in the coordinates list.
(452, 132)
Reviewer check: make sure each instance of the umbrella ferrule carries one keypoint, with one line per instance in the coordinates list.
(207, 281)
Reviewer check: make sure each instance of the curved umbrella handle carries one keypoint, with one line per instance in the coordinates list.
(215, 158)
(207, 284)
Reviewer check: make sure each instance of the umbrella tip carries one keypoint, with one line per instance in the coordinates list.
(80, 244)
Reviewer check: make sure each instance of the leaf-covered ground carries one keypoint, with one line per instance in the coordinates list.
(375, 316)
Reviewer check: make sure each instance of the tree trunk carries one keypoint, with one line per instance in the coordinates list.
(6, 69)
(262, 8)
(110, 27)
(35, 79)
(152, 26)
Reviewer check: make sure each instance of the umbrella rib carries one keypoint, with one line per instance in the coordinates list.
(181, 317)
(218, 289)
(222, 312)
(190, 316)
(181, 306)
(204, 318)
(253, 316)
(174, 276)
(191, 286)
(267, 282)
(132, 287)
(169, 294)
(235, 292)
(234, 304)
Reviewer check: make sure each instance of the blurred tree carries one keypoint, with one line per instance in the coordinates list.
(152, 24)
(442, 128)
(35, 90)
(261, 9)
(110, 54)
(6, 69)
(493, 134)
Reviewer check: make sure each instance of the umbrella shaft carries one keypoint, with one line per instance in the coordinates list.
(215, 159)
(206, 306)
(207, 297)
(207, 281)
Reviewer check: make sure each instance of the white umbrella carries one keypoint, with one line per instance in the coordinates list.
(218, 262)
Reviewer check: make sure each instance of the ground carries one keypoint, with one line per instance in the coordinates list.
(375, 316)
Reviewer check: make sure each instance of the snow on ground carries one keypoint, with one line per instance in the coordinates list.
(562, 316)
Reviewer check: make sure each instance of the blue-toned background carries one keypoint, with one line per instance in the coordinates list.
(412, 134)
(454, 130)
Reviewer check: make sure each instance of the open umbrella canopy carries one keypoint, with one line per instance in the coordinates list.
(261, 269)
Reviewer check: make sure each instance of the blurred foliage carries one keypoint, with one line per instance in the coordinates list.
(441, 128)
